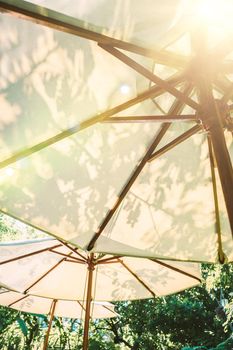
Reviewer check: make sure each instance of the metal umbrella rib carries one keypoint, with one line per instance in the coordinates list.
(127, 186)
(101, 117)
(175, 142)
(153, 118)
(160, 82)
(177, 107)
(61, 22)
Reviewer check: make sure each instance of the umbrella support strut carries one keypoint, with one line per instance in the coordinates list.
(213, 117)
(213, 123)
(50, 324)
(88, 301)
(223, 162)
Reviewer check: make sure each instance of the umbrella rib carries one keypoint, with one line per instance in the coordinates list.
(74, 250)
(153, 118)
(72, 257)
(175, 142)
(75, 261)
(152, 77)
(16, 301)
(152, 92)
(64, 23)
(176, 107)
(29, 254)
(221, 254)
(4, 291)
(107, 262)
(45, 274)
(101, 261)
(137, 278)
(128, 185)
(176, 269)
(109, 309)
(81, 305)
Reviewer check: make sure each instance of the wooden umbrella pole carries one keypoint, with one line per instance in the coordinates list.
(213, 116)
(222, 157)
(213, 120)
(88, 301)
(50, 324)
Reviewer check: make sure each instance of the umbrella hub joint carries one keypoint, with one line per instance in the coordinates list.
(210, 120)
(91, 264)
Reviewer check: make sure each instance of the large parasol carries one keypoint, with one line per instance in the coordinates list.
(48, 268)
(116, 122)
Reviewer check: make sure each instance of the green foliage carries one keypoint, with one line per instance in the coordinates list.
(22, 325)
(226, 345)
(7, 317)
(195, 348)
(11, 229)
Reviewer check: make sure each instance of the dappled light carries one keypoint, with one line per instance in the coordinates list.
(116, 150)
(70, 171)
(170, 209)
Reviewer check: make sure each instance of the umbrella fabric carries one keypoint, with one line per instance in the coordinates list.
(64, 308)
(49, 269)
(81, 124)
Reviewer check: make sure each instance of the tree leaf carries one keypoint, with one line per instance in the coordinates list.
(22, 326)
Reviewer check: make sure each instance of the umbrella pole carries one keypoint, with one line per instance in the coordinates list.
(214, 122)
(88, 301)
(50, 324)
(223, 163)
(214, 117)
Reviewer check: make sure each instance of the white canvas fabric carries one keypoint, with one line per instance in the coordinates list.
(54, 271)
(147, 24)
(65, 164)
(63, 308)
(169, 211)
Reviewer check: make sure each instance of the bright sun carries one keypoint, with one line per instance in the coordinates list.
(215, 11)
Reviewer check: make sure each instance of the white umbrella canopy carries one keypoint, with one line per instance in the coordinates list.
(52, 269)
(49, 269)
(87, 129)
(64, 308)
